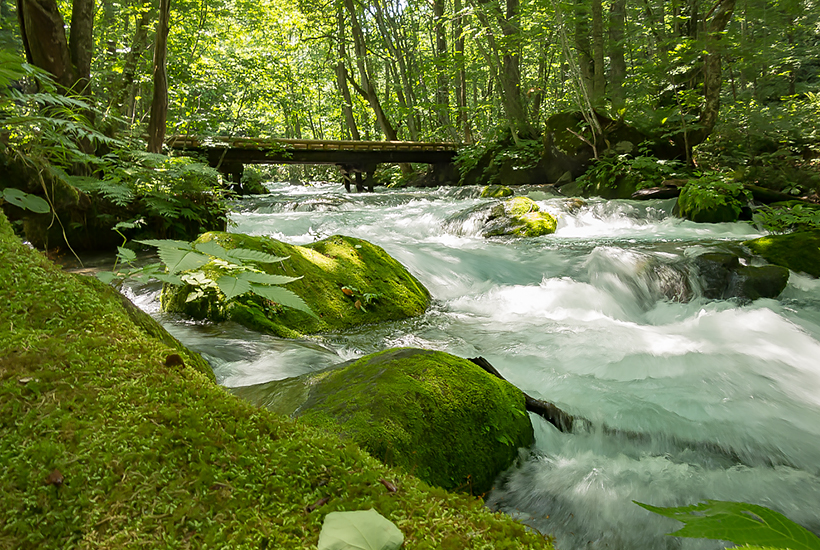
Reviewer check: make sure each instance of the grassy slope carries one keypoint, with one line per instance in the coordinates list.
(157, 456)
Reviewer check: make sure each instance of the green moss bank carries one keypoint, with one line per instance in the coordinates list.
(345, 281)
(799, 252)
(438, 416)
(159, 456)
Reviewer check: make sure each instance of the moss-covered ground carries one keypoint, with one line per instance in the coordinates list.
(798, 251)
(345, 281)
(103, 445)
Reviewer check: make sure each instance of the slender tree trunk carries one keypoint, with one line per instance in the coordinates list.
(583, 47)
(366, 88)
(442, 80)
(123, 88)
(617, 61)
(341, 79)
(81, 43)
(598, 76)
(159, 103)
(712, 81)
(461, 80)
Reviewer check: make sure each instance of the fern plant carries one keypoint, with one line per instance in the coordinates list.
(210, 269)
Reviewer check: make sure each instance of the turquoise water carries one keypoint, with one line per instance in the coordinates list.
(726, 396)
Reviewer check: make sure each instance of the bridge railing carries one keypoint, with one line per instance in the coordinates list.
(194, 142)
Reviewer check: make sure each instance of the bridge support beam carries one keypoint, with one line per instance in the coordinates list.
(364, 176)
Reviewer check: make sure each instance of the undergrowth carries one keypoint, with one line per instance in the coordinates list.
(107, 442)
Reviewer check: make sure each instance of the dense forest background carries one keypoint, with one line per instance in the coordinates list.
(732, 85)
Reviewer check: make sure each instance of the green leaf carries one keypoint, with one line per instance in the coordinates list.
(167, 243)
(283, 297)
(739, 523)
(178, 260)
(232, 286)
(245, 254)
(266, 279)
(106, 276)
(26, 201)
(213, 248)
(126, 255)
(362, 529)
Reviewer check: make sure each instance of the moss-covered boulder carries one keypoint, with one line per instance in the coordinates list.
(496, 192)
(722, 276)
(345, 281)
(799, 252)
(440, 417)
(518, 216)
(521, 217)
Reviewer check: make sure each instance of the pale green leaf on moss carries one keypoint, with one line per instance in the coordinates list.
(739, 523)
(282, 296)
(247, 255)
(179, 260)
(265, 278)
(232, 287)
(213, 248)
(361, 529)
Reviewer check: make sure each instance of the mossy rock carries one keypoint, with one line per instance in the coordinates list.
(521, 217)
(440, 417)
(693, 211)
(496, 192)
(753, 282)
(325, 268)
(799, 252)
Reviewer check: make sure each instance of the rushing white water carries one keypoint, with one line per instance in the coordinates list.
(702, 399)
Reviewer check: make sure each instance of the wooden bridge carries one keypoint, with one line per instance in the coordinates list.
(356, 159)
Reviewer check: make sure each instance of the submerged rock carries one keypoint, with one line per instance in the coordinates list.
(722, 277)
(496, 191)
(345, 281)
(440, 417)
(517, 216)
(799, 252)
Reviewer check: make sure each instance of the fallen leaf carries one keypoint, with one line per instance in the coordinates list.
(358, 304)
(174, 360)
(55, 478)
(347, 291)
(321, 502)
(390, 486)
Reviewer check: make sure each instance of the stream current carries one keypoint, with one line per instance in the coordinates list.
(701, 399)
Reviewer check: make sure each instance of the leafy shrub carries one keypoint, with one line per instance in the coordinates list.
(787, 217)
(484, 161)
(739, 523)
(712, 191)
(641, 172)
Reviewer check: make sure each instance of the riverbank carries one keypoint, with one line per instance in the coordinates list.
(107, 441)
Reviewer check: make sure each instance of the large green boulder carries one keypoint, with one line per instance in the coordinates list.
(345, 281)
(799, 252)
(440, 417)
(517, 216)
(496, 192)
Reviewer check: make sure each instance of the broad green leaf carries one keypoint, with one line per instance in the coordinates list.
(232, 286)
(213, 248)
(178, 260)
(245, 254)
(739, 523)
(198, 278)
(362, 529)
(167, 278)
(106, 276)
(282, 296)
(265, 279)
(167, 243)
(126, 254)
(36, 204)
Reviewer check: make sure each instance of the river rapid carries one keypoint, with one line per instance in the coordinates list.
(701, 399)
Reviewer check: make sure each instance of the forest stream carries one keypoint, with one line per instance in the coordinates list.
(702, 399)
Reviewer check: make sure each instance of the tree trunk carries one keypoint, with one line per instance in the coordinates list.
(159, 103)
(366, 88)
(712, 81)
(125, 84)
(43, 33)
(341, 79)
(583, 48)
(461, 80)
(598, 76)
(442, 80)
(617, 61)
(81, 43)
